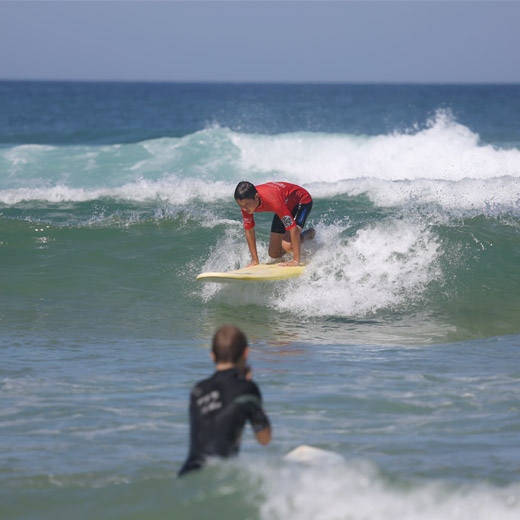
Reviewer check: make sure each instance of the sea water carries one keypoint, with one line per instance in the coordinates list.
(398, 348)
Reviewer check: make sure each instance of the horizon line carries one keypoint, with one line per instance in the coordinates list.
(262, 82)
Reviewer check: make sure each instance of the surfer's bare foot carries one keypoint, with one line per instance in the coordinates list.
(308, 234)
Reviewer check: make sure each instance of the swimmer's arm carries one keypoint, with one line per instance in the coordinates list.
(251, 242)
(257, 416)
(264, 436)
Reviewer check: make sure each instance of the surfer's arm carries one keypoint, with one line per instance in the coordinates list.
(251, 242)
(295, 241)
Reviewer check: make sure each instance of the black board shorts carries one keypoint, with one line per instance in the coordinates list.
(299, 213)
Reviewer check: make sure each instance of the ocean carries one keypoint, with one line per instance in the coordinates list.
(398, 348)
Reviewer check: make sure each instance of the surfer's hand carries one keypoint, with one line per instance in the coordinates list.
(247, 373)
(292, 263)
(254, 262)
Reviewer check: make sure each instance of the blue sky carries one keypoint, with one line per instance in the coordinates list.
(363, 41)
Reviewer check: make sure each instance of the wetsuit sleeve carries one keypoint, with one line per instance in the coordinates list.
(195, 458)
(252, 403)
(285, 216)
(249, 221)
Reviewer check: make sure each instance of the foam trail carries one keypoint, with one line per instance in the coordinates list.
(356, 491)
(386, 265)
(389, 264)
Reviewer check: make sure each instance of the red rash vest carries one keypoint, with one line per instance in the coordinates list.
(280, 198)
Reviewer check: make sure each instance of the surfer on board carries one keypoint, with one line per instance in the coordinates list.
(291, 205)
(221, 404)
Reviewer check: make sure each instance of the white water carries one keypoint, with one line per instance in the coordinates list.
(443, 164)
(358, 491)
(383, 266)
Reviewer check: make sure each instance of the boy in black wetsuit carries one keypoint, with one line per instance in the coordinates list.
(221, 404)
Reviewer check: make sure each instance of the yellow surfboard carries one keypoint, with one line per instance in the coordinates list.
(257, 273)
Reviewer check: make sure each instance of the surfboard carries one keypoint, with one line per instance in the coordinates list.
(257, 273)
(310, 454)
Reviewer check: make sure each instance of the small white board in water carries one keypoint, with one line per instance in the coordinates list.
(256, 273)
(310, 454)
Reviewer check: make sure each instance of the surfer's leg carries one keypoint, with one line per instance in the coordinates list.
(286, 242)
(280, 242)
(277, 234)
(275, 245)
(300, 214)
(308, 234)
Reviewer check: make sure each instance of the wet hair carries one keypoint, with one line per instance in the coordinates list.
(245, 190)
(229, 344)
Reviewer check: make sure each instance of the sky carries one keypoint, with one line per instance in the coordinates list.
(388, 41)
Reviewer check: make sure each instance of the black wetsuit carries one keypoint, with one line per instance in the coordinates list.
(219, 408)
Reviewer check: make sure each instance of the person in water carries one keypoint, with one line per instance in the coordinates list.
(221, 404)
(291, 205)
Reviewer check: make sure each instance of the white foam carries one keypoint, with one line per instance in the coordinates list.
(384, 265)
(356, 491)
(443, 164)
(230, 253)
(170, 188)
(444, 150)
(387, 264)
(488, 196)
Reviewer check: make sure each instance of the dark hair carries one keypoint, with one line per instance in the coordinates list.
(245, 190)
(229, 344)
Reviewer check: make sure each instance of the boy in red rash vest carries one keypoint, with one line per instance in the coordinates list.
(291, 205)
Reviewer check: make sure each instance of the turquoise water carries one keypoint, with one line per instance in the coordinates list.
(398, 347)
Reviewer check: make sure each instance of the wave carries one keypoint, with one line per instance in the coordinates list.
(213, 160)
(444, 150)
(443, 249)
(271, 489)
(171, 188)
(435, 277)
(396, 277)
(357, 489)
(467, 197)
(384, 265)
(351, 489)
